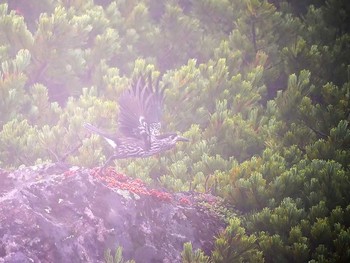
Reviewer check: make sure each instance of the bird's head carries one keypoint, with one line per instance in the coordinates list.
(171, 139)
(177, 138)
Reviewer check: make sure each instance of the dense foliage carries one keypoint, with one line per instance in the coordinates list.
(261, 88)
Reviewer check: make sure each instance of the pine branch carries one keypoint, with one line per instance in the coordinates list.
(319, 133)
(254, 36)
(70, 152)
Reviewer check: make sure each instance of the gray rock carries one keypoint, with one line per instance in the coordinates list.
(57, 215)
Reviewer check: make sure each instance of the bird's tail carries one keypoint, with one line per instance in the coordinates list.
(109, 138)
(94, 129)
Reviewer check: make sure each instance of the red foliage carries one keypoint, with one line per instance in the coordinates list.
(69, 173)
(184, 201)
(164, 196)
(137, 186)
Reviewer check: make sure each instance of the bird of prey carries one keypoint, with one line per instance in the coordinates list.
(139, 123)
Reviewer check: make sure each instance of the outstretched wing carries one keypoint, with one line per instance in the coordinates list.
(140, 110)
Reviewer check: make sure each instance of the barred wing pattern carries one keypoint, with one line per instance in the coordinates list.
(139, 123)
(140, 110)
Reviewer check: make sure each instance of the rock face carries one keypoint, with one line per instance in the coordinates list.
(48, 214)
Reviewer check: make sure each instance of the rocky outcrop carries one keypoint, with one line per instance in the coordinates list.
(50, 214)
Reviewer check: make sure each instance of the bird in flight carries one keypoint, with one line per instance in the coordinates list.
(139, 123)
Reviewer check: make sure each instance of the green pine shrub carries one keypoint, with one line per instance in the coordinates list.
(261, 89)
